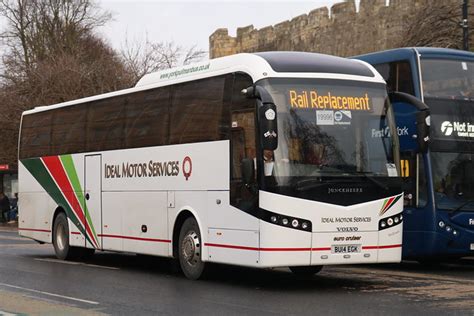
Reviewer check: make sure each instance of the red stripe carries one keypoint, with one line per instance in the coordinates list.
(231, 246)
(291, 249)
(285, 249)
(135, 238)
(35, 230)
(381, 247)
(255, 248)
(321, 249)
(75, 233)
(387, 206)
(53, 163)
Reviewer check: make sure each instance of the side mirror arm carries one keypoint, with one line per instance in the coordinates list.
(422, 117)
(266, 116)
(258, 92)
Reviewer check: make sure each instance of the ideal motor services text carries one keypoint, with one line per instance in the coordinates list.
(142, 170)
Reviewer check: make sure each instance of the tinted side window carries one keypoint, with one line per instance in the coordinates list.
(242, 142)
(398, 76)
(243, 124)
(422, 183)
(404, 78)
(68, 130)
(36, 135)
(196, 111)
(106, 124)
(147, 121)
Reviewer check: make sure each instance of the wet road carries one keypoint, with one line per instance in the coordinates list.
(33, 282)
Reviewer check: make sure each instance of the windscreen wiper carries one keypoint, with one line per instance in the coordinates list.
(457, 209)
(377, 182)
(308, 184)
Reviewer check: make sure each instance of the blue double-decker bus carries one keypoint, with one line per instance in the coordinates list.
(439, 180)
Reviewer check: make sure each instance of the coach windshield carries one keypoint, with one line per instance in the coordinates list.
(328, 131)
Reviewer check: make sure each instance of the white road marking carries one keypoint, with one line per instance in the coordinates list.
(50, 294)
(9, 231)
(3, 313)
(20, 245)
(76, 263)
(58, 261)
(99, 266)
(15, 238)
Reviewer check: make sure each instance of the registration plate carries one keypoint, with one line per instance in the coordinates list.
(346, 248)
(472, 246)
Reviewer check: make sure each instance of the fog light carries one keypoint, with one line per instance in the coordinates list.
(304, 225)
(390, 222)
(273, 219)
(441, 224)
(284, 221)
(396, 220)
(455, 232)
(383, 224)
(295, 223)
(448, 228)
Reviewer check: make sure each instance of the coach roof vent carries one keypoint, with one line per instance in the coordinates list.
(315, 63)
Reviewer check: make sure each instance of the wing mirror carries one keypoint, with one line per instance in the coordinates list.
(267, 116)
(422, 117)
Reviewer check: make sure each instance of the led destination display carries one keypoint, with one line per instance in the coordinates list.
(311, 99)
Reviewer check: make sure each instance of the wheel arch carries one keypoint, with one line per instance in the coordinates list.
(59, 209)
(181, 217)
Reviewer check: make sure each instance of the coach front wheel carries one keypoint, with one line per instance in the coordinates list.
(189, 249)
(306, 270)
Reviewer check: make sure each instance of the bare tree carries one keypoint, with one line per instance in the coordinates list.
(142, 58)
(36, 29)
(194, 55)
(435, 25)
(52, 56)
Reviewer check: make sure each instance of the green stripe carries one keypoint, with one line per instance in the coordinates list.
(38, 170)
(396, 199)
(70, 169)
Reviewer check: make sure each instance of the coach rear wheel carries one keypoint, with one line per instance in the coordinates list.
(189, 249)
(306, 270)
(61, 239)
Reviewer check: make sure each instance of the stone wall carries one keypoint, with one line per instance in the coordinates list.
(344, 32)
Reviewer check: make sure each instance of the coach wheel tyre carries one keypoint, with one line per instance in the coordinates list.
(190, 246)
(306, 270)
(61, 239)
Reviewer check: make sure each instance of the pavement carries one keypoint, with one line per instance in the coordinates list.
(9, 226)
(34, 282)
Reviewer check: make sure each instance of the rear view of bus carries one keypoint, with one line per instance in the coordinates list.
(277, 159)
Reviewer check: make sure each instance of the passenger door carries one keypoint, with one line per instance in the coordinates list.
(93, 201)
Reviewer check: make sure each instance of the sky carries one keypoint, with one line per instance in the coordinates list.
(191, 22)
